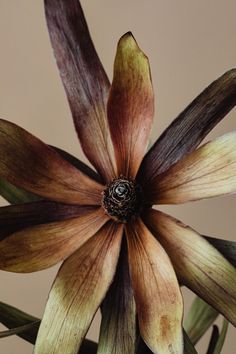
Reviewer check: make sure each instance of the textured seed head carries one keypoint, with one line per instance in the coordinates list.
(123, 199)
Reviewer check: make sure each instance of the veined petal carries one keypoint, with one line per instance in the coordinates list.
(118, 327)
(156, 291)
(190, 127)
(27, 162)
(84, 80)
(42, 246)
(197, 263)
(20, 216)
(207, 172)
(15, 195)
(78, 164)
(77, 292)
(130, 106)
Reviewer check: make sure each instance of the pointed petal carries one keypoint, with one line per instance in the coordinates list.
(197, 263)
(77, 292)
(20, 216)
(156, 291)
(200, 317)
(84, 80)
(42, 246)
(227, 248)
(130, 106)
(207, 172)
(118, 327)
(190, 127)
(15, 195)
(27, 162)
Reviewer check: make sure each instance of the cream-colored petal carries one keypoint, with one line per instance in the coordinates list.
(39, 247)
(207, 172)
(130, 106)
(156, 291)
(77, 292)
(190, 127)
(197, 263)
(118, 327)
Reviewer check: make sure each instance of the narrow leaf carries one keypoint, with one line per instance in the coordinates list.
(188, 345)
(222, 336)
(19, 330)
(199, 319)
(11, 317)
(15, 195)
(227, 248)
(213, 340)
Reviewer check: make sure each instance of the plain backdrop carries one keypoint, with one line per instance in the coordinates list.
(189, 44)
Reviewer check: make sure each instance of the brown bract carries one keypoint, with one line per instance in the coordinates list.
(118, 252)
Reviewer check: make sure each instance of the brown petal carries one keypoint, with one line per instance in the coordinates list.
(130, 106)
(207, 172)
(190, 127)
(42, 246)
(78, 164)
(77, 292)
(156, 291)
(84, 80)
(118, 327)
(17, 217)
(27, 162)
(197, 263)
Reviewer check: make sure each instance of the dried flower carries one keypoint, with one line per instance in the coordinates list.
(119, 253)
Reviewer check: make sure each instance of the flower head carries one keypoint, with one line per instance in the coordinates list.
(118, 252)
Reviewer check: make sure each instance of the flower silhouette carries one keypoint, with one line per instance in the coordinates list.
(118, 252)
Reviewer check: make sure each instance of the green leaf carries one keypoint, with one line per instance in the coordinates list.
(225, 247)
(188, 345)
(11, 317)
(26, 327)
(19, 330)
(222, 336)
(15, 195)
(213, 340)
(199, 319)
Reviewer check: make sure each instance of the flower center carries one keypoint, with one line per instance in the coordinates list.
(123, 199)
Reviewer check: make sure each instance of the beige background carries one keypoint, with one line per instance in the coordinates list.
(189, 43)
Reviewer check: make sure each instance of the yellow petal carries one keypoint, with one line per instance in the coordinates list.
(207, 172)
